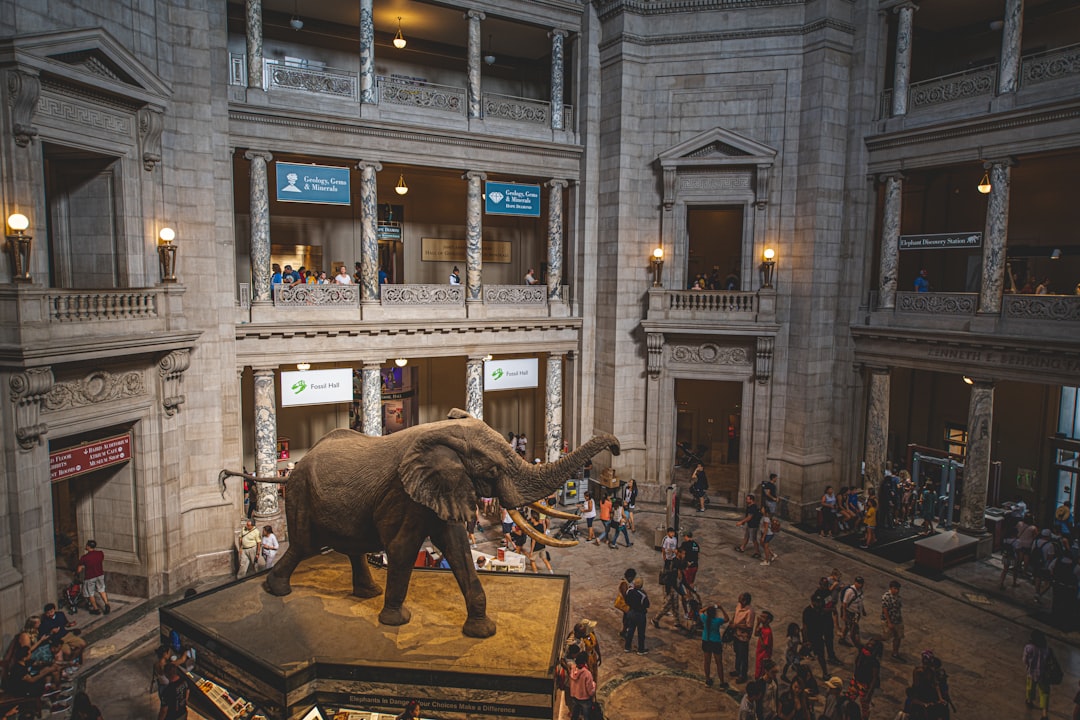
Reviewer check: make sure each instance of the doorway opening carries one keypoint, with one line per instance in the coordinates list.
(709, 421)
(714, 253)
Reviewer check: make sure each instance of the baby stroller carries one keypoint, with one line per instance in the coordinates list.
(568, 531)
(71, 598)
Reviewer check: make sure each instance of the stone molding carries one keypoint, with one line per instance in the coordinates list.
(24, 90)
(171, 370)
(68, 109)
(728, 35)
(97, 387)
(977, 128)
(28, 390)
(709, 354)
(151, 123)
(667, 7)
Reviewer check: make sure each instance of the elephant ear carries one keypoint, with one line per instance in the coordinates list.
(434, 476)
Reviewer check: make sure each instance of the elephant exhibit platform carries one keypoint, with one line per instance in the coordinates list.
(321, 645)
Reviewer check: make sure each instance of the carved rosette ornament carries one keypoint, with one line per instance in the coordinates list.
(656, 354)
(151, 123)
(23, 89)
(28, 389)
(763, 370)
(709, 354)
(97, 387)
(171, 370)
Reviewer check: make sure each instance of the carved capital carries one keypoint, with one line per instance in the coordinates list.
(475, 15)
(28, 389)
(475, 175)
(23, 90)
(171, 370)
(655, 343)
(557, 183)
(764, 357)
(375, 165)
(558, 32)
(891, 175)
(258, 155)
(989, 163)
(151, 123)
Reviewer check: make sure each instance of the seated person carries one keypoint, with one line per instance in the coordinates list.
(22, 680)
(56, 623)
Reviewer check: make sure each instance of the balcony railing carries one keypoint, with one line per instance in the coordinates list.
(398, 295)
(515, 294)
(1042, 307)
(316, 295)
(345, 84)
(97, 305)
(711, 301)
(1050, 64)
(937, 303)
(712, 306)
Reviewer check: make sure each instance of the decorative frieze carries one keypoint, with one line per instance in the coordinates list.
(716, 181)
(514, 294)
(936, 303)
(171, 371)
(304, 295)
(68, 111)
(1042, 307)
(97, 387)
(422, 294)
(28, 390)
(709, 354)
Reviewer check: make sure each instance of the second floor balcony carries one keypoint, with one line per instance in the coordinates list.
(704, 308)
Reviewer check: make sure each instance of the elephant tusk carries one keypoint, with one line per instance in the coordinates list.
(536, 536)
(552, 512)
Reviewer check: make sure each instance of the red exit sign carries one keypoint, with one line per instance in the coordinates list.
(89, 457)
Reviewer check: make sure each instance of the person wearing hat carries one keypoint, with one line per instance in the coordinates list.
(832, 687)
(1063, 524)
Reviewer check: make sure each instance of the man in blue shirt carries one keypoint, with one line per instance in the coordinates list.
(922, 282)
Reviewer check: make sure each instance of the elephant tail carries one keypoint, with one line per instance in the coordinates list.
(224, 474)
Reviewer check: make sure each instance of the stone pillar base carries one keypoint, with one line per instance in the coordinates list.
(985, 540)
(274, 520)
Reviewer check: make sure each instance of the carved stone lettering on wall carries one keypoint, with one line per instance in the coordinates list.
(728, 181)
(97, 387)
(709, 354)
(68, 111)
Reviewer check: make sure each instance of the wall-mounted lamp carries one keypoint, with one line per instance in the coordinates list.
(657, 266)
(968, 380)
(1056, 255)
(399, 39)
(303, 366)
(401, 362)
(984, 185)
(167, 254)
(401, 188)
(19, 245)
(768, 264)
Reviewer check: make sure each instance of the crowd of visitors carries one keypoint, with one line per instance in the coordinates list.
(288, 277)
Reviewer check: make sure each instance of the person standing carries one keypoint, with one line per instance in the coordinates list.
(669, 581)
(455, 276)
(624, 587)
(691, 552)
(588, 512)
(852, 610)
(712, 641)
(922, 281)
(816, 627)
(638, 601)
(530, 277)
(669, 546)
(769, 493)
(699, 486)
(250, 542)
(343, 277)
(743, 621)
(605, 518)
(764, 643)
(750, 523)
(618, 524)
(630, 492)
(92, 565)
(892, 617)
(582, 689)
(174, 697)
(269, 546)
(1036, 653)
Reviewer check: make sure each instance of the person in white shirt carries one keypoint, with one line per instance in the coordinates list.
(455, 277)
(342, 278)
(269, 546)
(530, 277)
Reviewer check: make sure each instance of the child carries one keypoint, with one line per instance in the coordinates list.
(871, 523)
(794, 642)
(764, 643)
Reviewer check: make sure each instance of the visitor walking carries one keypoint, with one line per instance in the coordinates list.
(1036, 657)
(638, 601)
(892, 617)
(92, 565)
(269, 546)
(750, 523)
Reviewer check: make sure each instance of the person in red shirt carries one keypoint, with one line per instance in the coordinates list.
(92, 564)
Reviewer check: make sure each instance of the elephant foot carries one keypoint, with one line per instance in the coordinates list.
(480, 627)
(391, 616)
(366, 591)
(277, 586)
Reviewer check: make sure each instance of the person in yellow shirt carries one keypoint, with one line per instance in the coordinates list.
(870, 518)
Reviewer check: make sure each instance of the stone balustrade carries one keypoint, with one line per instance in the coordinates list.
(1050, 65)
(937, 303)
(712, 301)
(710, 306)
(305, 295)
(1042, 307)
(321, 81)
(515, 294)
(391, 295)
(521, 109)
(420, 94)
(101, 305)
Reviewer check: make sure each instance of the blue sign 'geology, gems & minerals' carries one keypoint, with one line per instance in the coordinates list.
(512, 199)
(312, 184)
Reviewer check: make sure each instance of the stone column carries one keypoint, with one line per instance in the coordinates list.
(555, 237)
(1011, 35)
(553, 407)
(371, 398)
(474, 234)
(902, 71)
(877, 424)
(369, 239)
(266, 494)
(260, 226)
(890, 239)
(994, 236)
(474, 387)
(557, 72)
(367, 53)
(474, 17)
(254, 29)
(977, 462)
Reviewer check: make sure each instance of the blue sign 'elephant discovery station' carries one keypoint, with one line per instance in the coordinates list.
(312, 184)
(512, 199)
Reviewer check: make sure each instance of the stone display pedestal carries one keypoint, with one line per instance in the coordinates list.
(321, 645)
(945, 550)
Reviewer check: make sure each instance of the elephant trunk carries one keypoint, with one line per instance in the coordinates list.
(539, 481)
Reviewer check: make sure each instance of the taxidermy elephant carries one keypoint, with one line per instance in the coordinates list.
(359, 494)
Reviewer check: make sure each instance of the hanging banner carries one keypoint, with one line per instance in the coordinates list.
(319, 184)
(82, 459)
(941, 241)
(511, 199)
(511, 374)
(316, 387)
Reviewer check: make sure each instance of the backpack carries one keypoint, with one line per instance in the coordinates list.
(843, 594)
(1037, 560)
(774, 524)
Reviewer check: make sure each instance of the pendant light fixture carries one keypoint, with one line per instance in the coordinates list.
(399, 39)
(401, 188)
(489, 57)
(984, 185)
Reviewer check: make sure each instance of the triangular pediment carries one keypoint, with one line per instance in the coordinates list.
(717, 147)
(89, 57)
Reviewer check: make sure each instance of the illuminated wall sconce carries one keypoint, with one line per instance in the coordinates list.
(302, 366)
(984, 185)
(657, 266)
(401, 188)
(401, 362)
(768, 265)
(968, 380)
(19, 245)
(167, 254)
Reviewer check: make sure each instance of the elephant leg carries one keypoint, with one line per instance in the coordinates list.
(453, 540)
(362, 584)
(277, 580)
(400, 556)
